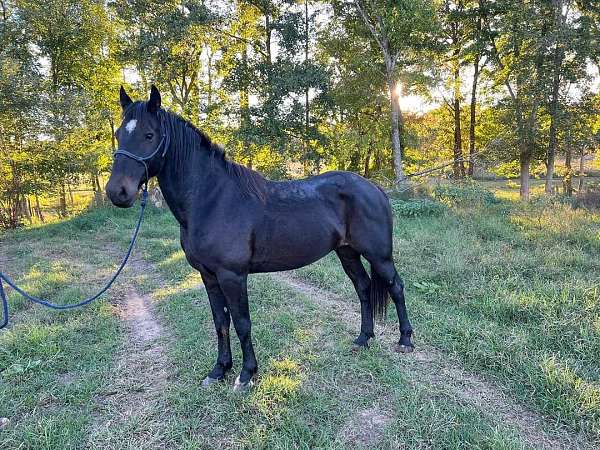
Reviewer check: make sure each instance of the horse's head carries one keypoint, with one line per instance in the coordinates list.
(142, 144)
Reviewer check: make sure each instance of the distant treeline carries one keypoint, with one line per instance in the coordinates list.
(300, 87)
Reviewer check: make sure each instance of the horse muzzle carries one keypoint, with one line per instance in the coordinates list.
(122, 193)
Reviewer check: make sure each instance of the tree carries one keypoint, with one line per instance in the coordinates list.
(571, 50)
(164, 41)
(20, 113)
(518, 36)
(73, 37)
(455, 33)
(476, 53)
(277, 79)
(357, 127)
(402, 31)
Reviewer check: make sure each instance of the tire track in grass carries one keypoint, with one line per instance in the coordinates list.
(429, 365)
(132, 410)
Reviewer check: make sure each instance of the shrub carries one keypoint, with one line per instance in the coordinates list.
(589, 197)
(417, 208)
(464, 194)
(411, 191)
(553, 201)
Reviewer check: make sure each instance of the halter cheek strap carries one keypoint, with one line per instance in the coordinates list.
(143, 159)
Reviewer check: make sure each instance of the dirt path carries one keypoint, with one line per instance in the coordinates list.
(131, 411)
(429, 365)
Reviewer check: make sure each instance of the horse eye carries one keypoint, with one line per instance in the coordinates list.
(149, 136)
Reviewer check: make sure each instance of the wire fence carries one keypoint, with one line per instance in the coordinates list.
(474, 158)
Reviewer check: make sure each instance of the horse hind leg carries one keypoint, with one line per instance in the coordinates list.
(387, 271)
(355, 270)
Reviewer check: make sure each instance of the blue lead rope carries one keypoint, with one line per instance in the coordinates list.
(4, 277)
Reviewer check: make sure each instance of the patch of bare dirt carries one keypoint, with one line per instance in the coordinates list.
(136, 311)
(431, 366)
(364, 429)
(133, 404)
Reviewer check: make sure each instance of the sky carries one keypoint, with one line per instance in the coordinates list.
(419, 104)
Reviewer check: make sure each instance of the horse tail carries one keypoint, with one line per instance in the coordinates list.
(379, 295)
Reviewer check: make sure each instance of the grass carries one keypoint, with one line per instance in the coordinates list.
(508, 291)
(52, 364)
(514, 295)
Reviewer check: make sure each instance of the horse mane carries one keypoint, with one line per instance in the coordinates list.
(186, 138)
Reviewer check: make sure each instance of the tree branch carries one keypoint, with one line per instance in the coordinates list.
(368, 22)
(241, 39)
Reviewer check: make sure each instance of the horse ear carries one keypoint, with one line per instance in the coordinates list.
(124, 99)
(154, 102)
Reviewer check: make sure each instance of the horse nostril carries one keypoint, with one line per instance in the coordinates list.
(122, 194)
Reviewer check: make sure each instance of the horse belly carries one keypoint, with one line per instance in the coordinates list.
(290, 243)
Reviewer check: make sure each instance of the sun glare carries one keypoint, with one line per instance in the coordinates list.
(412, 103)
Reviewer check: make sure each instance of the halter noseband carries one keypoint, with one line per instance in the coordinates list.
(143, 159)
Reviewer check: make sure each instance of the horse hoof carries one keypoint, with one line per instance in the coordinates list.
(242, 387)
(401, 348)
(359, 347)
(208, 381)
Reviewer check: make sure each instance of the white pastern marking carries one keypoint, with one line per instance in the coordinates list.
(131, 126)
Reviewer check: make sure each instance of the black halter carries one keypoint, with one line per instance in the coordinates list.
(164, 142)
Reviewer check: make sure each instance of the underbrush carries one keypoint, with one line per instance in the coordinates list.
(417, 207)
(465, 194)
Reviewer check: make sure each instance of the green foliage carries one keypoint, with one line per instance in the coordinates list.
(417, 208)
(288, 93)
(464, 194)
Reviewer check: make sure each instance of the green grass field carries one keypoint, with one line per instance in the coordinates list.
(503, 298)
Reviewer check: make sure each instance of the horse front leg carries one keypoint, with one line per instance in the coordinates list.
(221, 317)
(235, 288)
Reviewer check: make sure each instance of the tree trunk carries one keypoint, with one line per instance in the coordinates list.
(245, 109)
(38, 209)
(209, 88)
(306, 90)
(4, 11)
(113, 144)
(368, 160)
(62, 201)
(473, 107)
(525, 162)
(553, 107)
(396, 122)
(396, 125)
(13, 210)
(268, 31)
(378, 162)
(459, 165)
(568, 179)
(24, 208)
(581, 171)
(551, 146)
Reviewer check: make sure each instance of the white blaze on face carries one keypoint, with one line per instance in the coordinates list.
(131, 126)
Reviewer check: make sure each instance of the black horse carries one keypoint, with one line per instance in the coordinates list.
(235, 222)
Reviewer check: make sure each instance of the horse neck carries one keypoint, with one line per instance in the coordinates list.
(189, 186)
